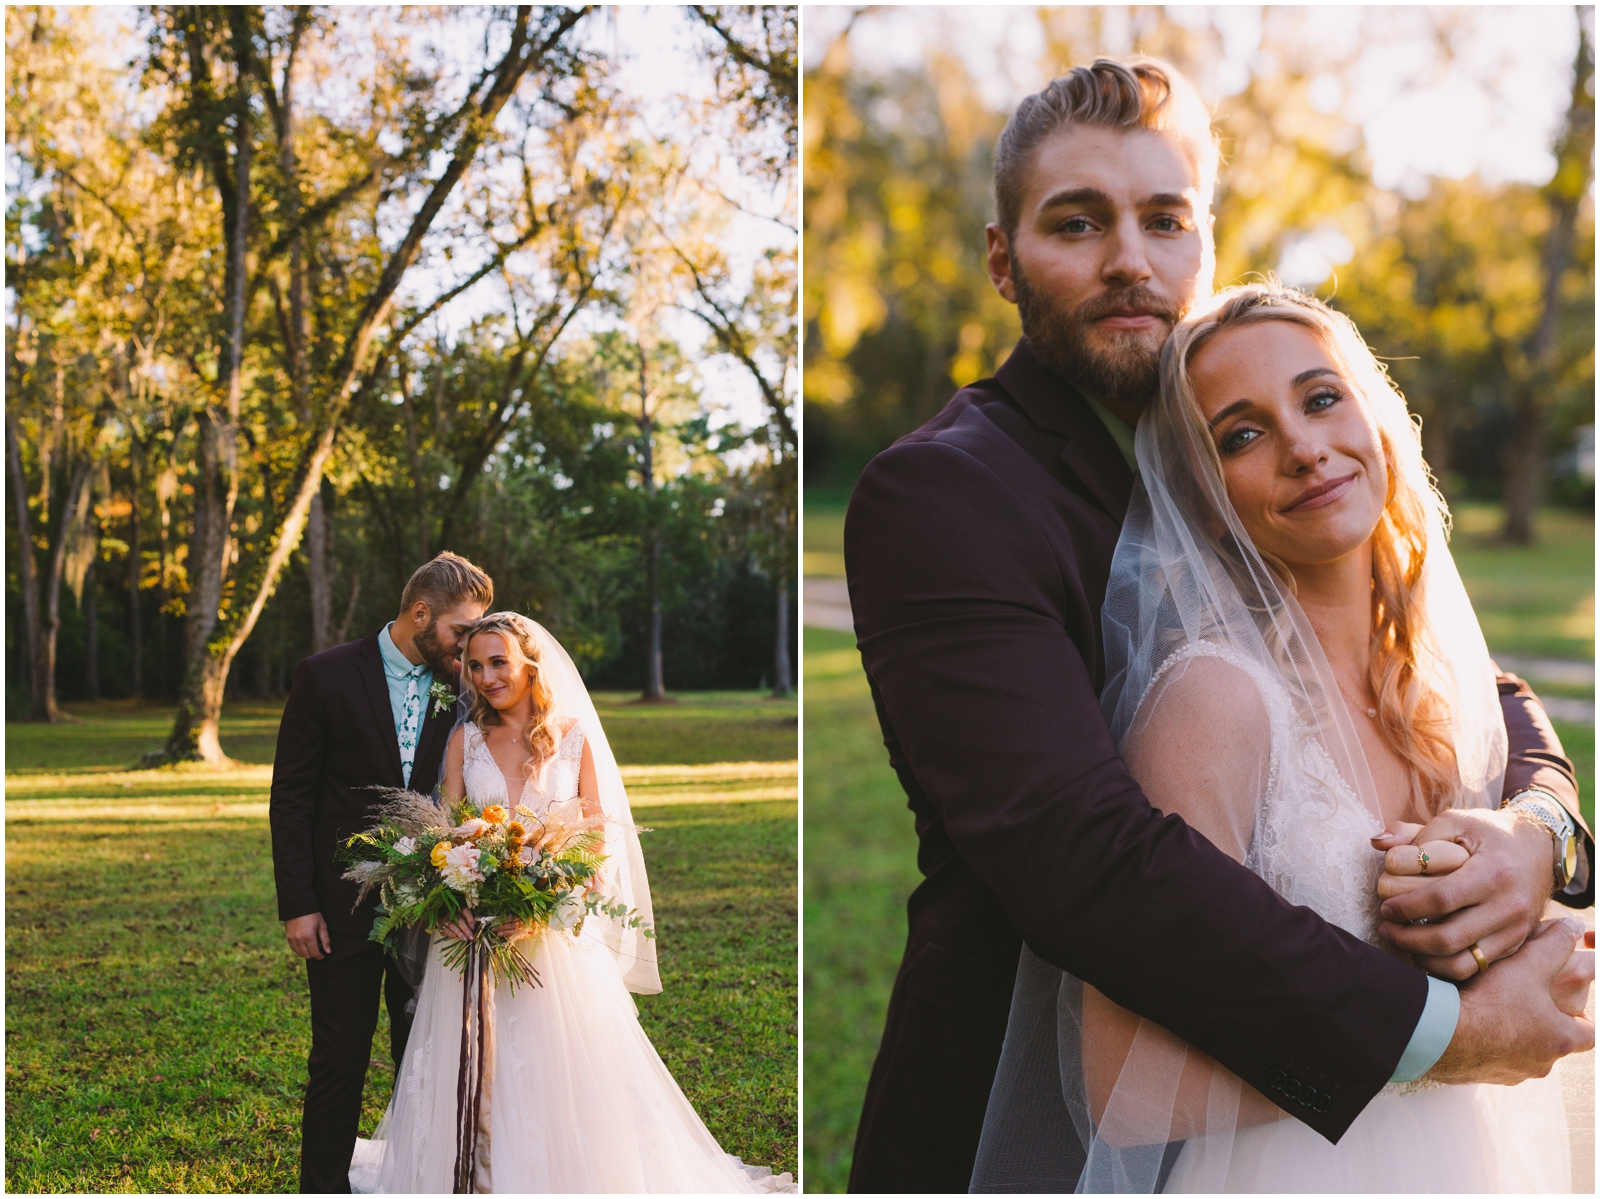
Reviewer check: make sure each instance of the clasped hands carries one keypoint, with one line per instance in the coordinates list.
(462, 927)
(1485, 884)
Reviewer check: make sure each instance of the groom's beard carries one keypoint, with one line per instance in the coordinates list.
(440, 660)
(1125, 372)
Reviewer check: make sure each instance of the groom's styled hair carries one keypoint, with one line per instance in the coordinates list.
(1141, 93)
(446, 581)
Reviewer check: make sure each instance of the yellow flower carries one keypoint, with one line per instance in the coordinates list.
(516, 831)
(437, 856)
(494, 814)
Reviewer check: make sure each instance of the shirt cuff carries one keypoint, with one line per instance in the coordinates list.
(1433, 1033)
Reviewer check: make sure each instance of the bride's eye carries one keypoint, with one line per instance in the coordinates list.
(1323, 398)
(1237, 438)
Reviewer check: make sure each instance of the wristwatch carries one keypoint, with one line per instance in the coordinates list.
(1547, 810)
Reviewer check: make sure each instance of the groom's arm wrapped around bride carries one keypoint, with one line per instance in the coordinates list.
(978, 551)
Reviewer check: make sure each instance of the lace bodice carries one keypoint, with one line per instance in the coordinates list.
(557, 780)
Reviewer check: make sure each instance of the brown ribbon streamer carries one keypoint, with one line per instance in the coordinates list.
(469, 1077)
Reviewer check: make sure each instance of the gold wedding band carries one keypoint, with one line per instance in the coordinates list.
(1477, 956)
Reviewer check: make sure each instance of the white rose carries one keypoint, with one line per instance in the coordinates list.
(406, 845)
(527, 856)
(567, 913)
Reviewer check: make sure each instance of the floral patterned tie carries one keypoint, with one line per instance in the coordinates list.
(410, 727)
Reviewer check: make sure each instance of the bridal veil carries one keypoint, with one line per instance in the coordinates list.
(1217, 690)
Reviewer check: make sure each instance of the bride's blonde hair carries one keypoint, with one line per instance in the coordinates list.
(539, 737)
(1413, 714)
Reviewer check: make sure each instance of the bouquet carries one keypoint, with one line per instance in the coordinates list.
(431, 860)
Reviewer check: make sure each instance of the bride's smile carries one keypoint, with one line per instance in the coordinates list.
(1300, 452)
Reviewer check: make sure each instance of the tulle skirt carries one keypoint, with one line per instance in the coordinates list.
(1440, 1140)
(578, 1099)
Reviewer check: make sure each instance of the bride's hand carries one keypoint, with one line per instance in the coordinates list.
(513, 930)
(459, 927)
(1409, 866)
(1491, 903)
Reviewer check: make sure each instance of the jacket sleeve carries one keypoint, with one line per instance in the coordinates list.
(296, 776)
(1536, 759)
(968, 629)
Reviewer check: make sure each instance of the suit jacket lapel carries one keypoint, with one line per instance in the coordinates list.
(1053, 403)
(435, 727)
(377, 684)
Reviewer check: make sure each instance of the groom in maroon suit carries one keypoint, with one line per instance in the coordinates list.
(358, 716)
(978, 550)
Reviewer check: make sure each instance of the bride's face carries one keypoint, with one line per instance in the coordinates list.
(1301, 456)
(499, 675)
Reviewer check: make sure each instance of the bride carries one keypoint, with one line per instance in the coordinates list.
(574, 1096)
(1292, 665)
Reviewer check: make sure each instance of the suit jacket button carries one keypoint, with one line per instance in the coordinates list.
(1324, 1102)
(1276, 1079)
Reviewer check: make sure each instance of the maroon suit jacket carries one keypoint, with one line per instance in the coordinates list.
(336, 740)
(978, 550)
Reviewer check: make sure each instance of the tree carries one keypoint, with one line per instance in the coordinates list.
(192, 47)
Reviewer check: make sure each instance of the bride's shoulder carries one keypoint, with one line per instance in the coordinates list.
(566, 727)
(1203, 682)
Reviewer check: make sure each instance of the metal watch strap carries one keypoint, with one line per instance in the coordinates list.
(1548, 811)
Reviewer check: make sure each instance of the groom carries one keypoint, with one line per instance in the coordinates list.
(978, 550)
(358, 715)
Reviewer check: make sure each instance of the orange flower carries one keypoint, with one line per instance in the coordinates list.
(495, 814)
(516, 831)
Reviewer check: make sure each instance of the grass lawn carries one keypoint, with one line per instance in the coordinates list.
(861, 849)
(158, 1027)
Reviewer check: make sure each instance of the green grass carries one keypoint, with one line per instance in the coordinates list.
(860, 867)
(158, 1026)
(861, 848)
(1536, 600)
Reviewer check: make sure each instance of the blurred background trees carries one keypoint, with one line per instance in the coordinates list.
(299, 297)
(1472, 274)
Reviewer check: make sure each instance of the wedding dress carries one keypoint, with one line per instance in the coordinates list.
(576, 1098)
(1224, 707)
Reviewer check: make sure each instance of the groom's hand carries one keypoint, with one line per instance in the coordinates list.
(1493, 901)
(308, 936)
(1511, 1028)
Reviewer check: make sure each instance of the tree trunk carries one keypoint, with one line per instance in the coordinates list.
(782, 671)
(1524, 475)
(52, 598)
(655, 688)
(91, 616)
(205, 675)
(135, 555)
(1564, 193)
(41, 701)
(321, 586)
(419, 493)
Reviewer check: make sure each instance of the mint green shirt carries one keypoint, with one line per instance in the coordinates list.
(1437, 1024)
(408, 698)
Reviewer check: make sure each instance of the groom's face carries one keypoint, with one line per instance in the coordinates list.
(1110, 250)
(440, 642)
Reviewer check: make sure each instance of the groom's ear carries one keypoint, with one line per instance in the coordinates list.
(420, 614)
(999, 262)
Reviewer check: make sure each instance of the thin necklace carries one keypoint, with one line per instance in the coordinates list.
(1373, 712)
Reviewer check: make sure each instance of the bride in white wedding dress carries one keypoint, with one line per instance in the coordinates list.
(575, 1099)
(1292, 665)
